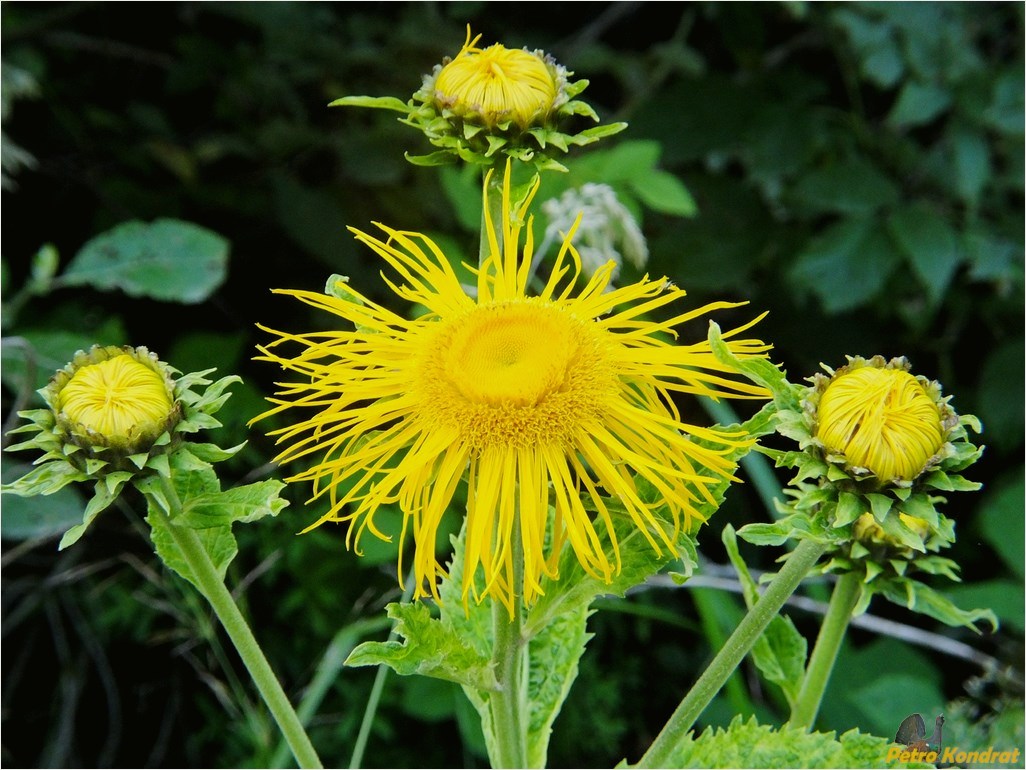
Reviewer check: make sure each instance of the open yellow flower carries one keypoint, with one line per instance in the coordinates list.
(498, 83)
(539, 400)
(881, 419)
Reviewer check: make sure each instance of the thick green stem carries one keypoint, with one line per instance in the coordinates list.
(212, 586)
(846, 595)
(508, 706)
(798, 565)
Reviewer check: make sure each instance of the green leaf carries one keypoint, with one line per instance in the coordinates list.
(39, 517)
(167, 260)
(246, 504)
(847, 265)
(431, 648)
(376, 102)
(104, 494)
(921, 598)
(1000, 519)
(761, 371)
(853, 187)
(218, 542)
(780, 652)
(554, 655)
(971, 157)
(918, 104)
(749, 744)
(662, 191)
(930, 245)
(45, 479)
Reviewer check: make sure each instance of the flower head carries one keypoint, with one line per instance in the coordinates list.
(487, 103)
(123, 400)
(539, 400)
(497, 84)
(881, 419)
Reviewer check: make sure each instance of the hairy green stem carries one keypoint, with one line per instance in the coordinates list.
(212, 586)
(798, 565)
(846, 595)
(508, 706)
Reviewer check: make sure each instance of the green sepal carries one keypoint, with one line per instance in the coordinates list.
(104, 493)
(431, 648)
(440, 158)
(922, 599)
(212, 453)
(745, 743)
(45, 479)
(761, 371)
(375, 102)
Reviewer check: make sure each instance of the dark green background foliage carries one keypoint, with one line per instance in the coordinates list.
(857, 170)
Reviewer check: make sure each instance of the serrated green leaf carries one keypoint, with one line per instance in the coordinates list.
(218, 542)
(760, 370)
(212, 453)
(245, 504)
(167, 260)
(440, 158)
(749, 744)
(431, 648)
(45, 479)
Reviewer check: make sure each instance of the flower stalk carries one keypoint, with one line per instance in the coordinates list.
(845, 597)
(212, 587)
(799, 564)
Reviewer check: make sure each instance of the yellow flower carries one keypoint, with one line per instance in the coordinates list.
(119, 397)
(497, 84)
(539, 400)
(881, 419)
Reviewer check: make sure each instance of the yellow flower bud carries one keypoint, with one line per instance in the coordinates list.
(881, 419)
(114, 398)
(496, 84)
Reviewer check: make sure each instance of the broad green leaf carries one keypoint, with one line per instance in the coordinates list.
(854, 187)
(971, 157)
(1000, 400)
(930, 245)
(246, 504)
(662, 191)
(918, 103)
(1000, 519)
(167, 260)
(847, 265)
(218, 542)
(430, 648)
(749, 744)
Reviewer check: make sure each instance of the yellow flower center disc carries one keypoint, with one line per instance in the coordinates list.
(517, 372)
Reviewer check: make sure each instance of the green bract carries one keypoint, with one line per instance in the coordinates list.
(71, 452)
